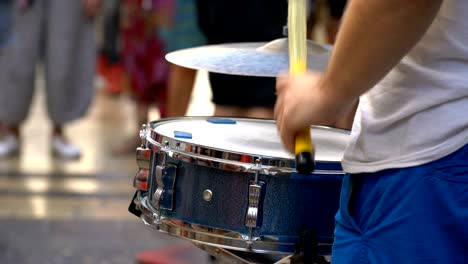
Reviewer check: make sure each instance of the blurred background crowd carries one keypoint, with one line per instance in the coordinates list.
(78, 78)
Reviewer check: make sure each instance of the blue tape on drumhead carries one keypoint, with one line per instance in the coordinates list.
(182, 134)
(224, 121)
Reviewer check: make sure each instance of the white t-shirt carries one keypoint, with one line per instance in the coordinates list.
(419, 112)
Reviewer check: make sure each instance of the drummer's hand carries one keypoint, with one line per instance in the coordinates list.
(302, 101)
(91, 7)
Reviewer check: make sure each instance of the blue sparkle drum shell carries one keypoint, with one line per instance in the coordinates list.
(215, 161)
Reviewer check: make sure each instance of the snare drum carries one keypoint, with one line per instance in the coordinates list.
(230, 183)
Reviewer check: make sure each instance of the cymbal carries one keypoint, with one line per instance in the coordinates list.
(266, 59)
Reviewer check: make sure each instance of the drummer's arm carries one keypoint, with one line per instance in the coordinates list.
(374, 37)
(346, 121)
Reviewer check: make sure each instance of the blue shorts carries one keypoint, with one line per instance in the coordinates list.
(411, 215)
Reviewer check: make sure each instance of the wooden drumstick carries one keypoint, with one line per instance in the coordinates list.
(297, 31)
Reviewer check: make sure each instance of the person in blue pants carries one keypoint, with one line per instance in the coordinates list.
(405, 195)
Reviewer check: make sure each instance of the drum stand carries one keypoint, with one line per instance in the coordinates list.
(225, 256)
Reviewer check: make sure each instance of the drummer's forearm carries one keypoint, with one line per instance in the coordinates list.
(346, 121)
(374, 37)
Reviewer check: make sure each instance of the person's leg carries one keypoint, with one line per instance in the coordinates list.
(412, 215)
(142, 113)
(243, 96)
(234, 111)
(260, 112)
(129, 144)
(10, 140)
(18, 64)
(69, 61)
(111, 14)
(109, 65)
(347, 246)
(224, 110)
(181, 81)
(61, 146)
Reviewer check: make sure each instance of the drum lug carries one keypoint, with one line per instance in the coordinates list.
(140, 181)
(253, 218)
(143, 154)
(143, 134)
(163, 197)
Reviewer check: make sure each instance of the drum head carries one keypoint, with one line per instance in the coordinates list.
(254, 137)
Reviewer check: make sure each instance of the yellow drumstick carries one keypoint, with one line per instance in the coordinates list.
(297, 31)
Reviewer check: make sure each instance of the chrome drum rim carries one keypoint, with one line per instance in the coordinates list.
(230, 160)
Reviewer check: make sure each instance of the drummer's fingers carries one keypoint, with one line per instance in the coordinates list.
(278, 106)
(287, 136)
(281, 83)
(279, 120)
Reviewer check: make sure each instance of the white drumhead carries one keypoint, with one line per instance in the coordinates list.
(252, 136)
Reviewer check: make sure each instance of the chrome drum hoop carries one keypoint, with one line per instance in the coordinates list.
(221, 158)
(212, 236)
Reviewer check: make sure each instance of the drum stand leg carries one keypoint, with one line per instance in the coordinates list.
(291, 259)
(224, 256)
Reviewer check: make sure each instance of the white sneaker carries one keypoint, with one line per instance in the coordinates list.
(63, 149)
(9, 146)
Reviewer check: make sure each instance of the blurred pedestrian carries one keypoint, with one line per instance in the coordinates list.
(225, 21)
(183, 33)
(143, 53)
(109, 63)
(60, 34)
